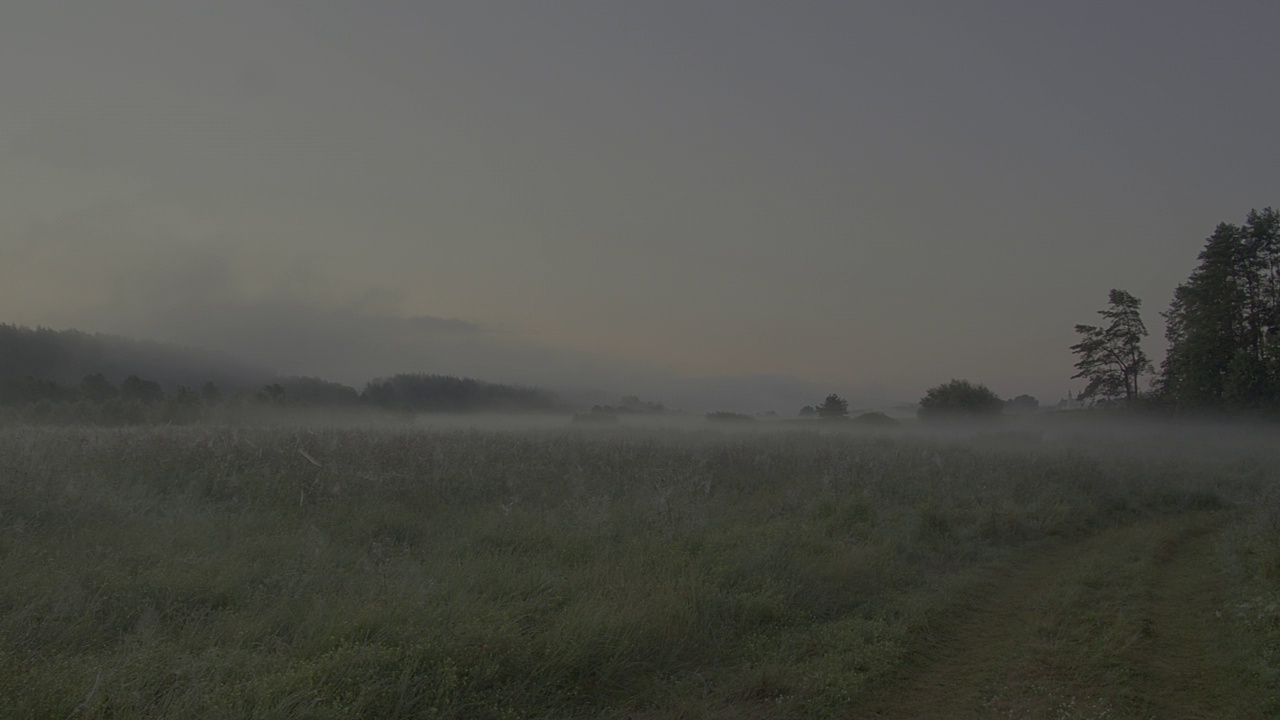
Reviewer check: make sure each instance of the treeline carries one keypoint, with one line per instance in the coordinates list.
(68, 376)
(630, 405)
(95, 400)
(1223, 330)
(445, 393)
(67, 356)
(1224, 323)
(135, 401)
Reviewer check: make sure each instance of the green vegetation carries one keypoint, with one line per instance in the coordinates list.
(1223, 329)
(722, 416)
(876, 419)
(66, 356)
(598, 416)
(215, 567)
(226, 572)
(1021, 404)
(960, 400)
(70, 377)
(96, 401)
(833, 408)
(1111, 358)
(1224, 323)
(443, 393)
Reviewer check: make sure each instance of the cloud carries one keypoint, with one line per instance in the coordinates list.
(108, 270)
(351, 344)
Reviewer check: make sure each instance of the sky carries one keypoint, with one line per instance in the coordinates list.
(874, 196)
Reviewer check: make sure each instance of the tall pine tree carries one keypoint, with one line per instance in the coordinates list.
(1111, 357)
(1223, 326)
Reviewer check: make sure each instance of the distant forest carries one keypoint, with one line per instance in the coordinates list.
(67, 356)
(66, 376)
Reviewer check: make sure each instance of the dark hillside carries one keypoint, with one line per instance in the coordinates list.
(67, 366)
(67, 356)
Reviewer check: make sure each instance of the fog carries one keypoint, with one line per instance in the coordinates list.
(1221, 441)
(739, 207)
(310, 323)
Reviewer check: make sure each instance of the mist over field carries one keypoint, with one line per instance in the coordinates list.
(465, 567)
(485, 360)
(817, 198)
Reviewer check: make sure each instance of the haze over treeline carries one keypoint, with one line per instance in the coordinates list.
(865, 198)
(1223, 329)
(34, 388)
(68, 356)
(347, 349)
(44, 365)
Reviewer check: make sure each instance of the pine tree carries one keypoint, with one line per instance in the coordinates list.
(1111, 358)
(1223, 326)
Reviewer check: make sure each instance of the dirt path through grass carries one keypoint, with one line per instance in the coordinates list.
(1125, 624)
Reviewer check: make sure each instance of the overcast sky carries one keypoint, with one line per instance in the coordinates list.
(864, 194)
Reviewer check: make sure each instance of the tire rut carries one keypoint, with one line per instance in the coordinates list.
(1122, 624)
(1185, 658)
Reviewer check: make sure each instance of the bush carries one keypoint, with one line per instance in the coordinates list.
(1022, 404)
(729, 417)
(960, 399)
(876, 419)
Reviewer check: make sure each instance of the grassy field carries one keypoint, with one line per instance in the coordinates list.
(324, 572)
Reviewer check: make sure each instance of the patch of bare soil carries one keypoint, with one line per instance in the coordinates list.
(1125, 624)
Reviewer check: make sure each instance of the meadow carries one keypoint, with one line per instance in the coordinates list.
(408, 571)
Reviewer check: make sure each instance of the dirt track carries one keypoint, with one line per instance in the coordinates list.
(1125, 624)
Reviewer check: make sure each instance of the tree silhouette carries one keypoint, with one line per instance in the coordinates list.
(959, 399)
(144, 391)
(833, 408)
(210, 394)
(97, 389)
(1022, 404)
(1111, 357)
(1223, 326)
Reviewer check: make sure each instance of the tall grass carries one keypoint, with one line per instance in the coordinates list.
(392, 572)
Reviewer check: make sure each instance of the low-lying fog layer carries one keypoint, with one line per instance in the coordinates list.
(529, 566)
(1047, 428)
